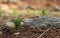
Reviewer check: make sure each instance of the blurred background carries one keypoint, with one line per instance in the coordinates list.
(33, 7)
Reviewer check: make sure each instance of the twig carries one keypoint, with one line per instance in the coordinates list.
(44, 32)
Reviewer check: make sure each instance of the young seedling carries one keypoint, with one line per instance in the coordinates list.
(14, 12)
(17, 23)
(43, 12)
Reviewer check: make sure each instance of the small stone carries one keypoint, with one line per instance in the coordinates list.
(16, 33)
(10, 24)
(1, 33)
(56, 8)
(22, 23)
(27, 20)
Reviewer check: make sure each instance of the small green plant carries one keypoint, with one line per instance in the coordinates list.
(17, 23)
(14, 12)
(43, 12)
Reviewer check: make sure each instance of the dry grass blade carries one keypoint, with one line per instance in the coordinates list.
(44, 32)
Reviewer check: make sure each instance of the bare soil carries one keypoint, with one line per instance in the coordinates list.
(25, 32)
(29, 32)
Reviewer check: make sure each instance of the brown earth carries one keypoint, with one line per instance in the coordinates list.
(29, 32)
(32, 32)
(53, 33)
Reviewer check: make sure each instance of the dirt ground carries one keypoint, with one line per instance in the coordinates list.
(53, 33)
(29, 32)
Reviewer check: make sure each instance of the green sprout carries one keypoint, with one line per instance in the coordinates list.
(43, 12)
(17, 23)
(14, 12)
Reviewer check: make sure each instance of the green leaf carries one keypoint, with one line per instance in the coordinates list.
(43, 12)
(17, 23)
